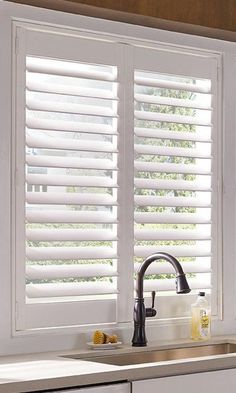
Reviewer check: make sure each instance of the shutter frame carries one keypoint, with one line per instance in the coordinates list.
(30, 316)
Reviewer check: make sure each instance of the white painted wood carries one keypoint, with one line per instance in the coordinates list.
(171, 85)
(61, 271)
(70, 162)
(45, 142)
(67, 253)
(148, 98)
(125, 64)
(201, 281)
(126, 189)
(212, 382)
(63, 180)
(185, 64)
(165, 134)
(202, 249)
(142, 115)
(200, 185)
(141, 200)
(40, 291)
(202, 265)
(72, 296)
(201, 233)
(72, 70)
(49, 106)
(70, 126)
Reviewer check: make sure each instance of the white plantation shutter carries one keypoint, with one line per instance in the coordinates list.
(115, 159)
(173, 176)
(69, 126)
(69, 250)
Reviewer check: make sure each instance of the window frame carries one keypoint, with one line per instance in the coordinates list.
(124, 307)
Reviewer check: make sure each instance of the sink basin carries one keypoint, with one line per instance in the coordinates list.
(149, 356)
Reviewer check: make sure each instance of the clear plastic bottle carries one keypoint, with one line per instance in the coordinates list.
(201, 319)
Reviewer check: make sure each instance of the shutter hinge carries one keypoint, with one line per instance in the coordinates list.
(17, 311)
(223, 187)
(16, 178)
(218, 73)
(16, 45)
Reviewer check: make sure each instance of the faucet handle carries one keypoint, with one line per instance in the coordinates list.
(150, 311)
(153, 298)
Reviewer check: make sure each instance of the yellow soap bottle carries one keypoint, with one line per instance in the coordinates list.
(201, 319)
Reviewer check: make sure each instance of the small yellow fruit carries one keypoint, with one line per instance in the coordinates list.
(102, 338)
(106, 338)
(98, 337)
(113, 339)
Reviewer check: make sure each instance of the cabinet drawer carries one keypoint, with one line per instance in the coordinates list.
(210, 382)
(116, 388)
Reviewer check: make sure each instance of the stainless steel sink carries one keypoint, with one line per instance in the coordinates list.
(125, 359)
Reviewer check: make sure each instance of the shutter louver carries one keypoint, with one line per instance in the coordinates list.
(173, 165)
(71, 179)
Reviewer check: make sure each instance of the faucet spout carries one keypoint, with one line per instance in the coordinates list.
(140, 312)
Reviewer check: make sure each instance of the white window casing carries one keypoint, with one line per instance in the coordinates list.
(116, 155)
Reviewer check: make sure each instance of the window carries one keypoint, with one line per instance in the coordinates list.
(116, 158)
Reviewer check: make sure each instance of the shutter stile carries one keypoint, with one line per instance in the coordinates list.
(71, 179)
(173, 170)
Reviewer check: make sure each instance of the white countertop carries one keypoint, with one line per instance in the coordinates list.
(51, 370)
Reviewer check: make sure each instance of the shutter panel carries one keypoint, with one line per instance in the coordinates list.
(71, 179)
(173, 176)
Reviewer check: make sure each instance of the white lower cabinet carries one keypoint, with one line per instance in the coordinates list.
(111, 388)
(223, 381)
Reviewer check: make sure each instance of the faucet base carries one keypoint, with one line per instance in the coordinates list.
(139, 336)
